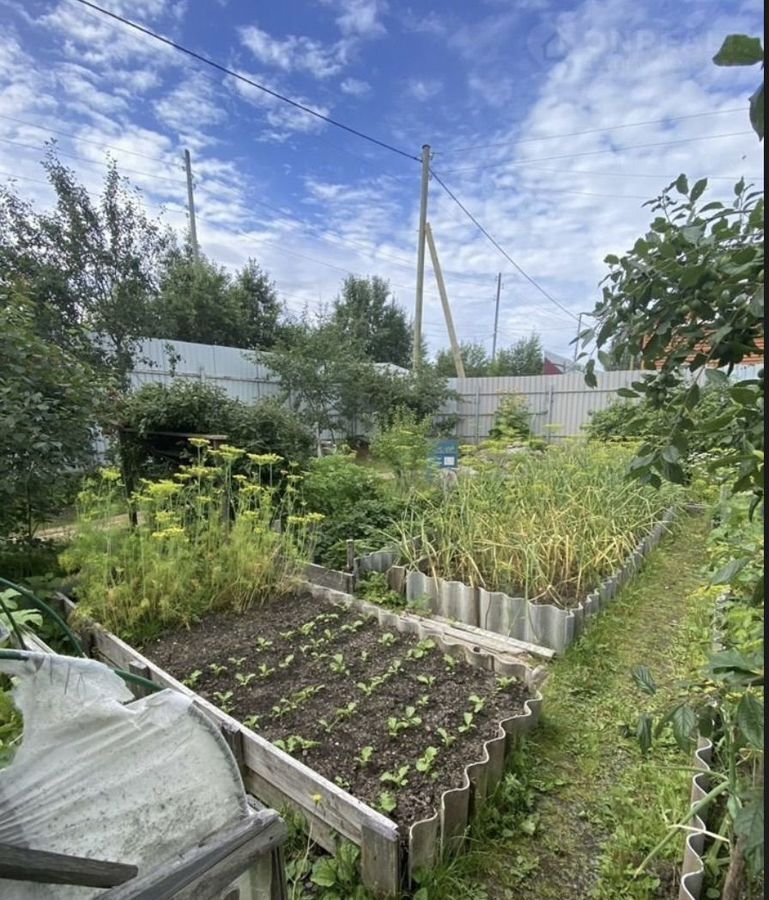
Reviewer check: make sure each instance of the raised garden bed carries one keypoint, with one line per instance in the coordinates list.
(537, 623)
(387, 737)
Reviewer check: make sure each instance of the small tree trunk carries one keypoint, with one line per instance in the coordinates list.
(735, 875)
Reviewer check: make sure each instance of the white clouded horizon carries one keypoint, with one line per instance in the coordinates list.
(269, 187)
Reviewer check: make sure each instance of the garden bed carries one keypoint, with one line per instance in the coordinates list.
(545, 624)
(323, 702)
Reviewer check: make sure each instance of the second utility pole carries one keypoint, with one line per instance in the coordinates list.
(191, 205)
(496, 319)
(417, 352)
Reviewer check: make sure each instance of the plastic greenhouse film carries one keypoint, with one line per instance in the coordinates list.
(104, 776)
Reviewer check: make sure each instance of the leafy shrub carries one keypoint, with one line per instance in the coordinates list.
(512, 421)
(22, 559)
(653, 423)
(199, 408)
(356, 504)
(205, 540)
(48, 401)
(405, 446)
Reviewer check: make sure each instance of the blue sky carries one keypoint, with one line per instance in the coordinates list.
(503, 92)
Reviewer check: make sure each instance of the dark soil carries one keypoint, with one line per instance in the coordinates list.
(327, 651)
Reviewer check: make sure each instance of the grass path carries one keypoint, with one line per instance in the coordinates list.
(583, 807)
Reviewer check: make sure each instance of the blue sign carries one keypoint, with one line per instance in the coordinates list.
(446, 453)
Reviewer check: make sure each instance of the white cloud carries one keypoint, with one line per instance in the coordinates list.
(191, 105)
(433, 23)
(354, 87)
(295, 53)
(91, 38)
(422, 89)
(361, 17)
(283, 118)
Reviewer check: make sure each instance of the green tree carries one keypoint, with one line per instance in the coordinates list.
(48, 399)
(89, 266)
(423, 394)
(255, 295)
(524, 357)
(474, 358)
(691, 293)
(326, 377)
(196, 302)
(366, 312)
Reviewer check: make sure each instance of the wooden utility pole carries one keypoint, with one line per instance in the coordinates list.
(459, 365)
(579, 329)
(496, 319)
(191, 205)
(417, 352)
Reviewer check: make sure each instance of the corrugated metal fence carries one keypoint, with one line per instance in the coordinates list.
(560, 404)
(227, 367)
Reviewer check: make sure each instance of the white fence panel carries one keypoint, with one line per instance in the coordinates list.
(560, 404)
(226, 367)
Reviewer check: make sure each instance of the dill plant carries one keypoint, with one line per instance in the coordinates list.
(207, 539)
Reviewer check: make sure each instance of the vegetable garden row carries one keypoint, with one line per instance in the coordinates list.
(382, 730)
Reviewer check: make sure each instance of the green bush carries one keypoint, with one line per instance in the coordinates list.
(512, 421)
(653, 423)
(405, 446)
(48, 402)
(200, 408)
(20, 560)
(356, 502)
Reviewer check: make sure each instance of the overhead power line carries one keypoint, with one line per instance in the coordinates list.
(82, 140)
(523, 162)
(249, 81)
(93, 162)
(501, 249)
(658, 177)
(552, 137)
(25, 177)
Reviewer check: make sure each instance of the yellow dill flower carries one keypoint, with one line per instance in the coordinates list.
(264, 459)
(200, 442)
(297, 520)
(164, 488)
(110, 474)
(227, 452)
(169, 533)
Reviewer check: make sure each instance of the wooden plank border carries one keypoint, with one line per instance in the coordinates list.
(278, 779)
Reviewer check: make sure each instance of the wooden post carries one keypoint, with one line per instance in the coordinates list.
(496, 318)
(350, 555)
(142, 670)
(417, 350)
(460, 366)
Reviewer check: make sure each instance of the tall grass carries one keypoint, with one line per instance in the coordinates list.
(207, 539)
(546, 527)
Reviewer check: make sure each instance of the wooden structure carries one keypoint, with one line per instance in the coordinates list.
(243, 859)
(388, 854)
(201, 873)
(277, 778)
